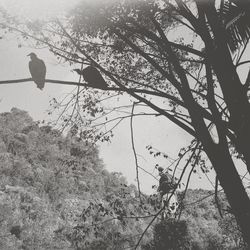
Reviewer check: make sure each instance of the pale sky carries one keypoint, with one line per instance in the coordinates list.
(118, 155)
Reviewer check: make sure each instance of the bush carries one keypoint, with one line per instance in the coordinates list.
(169, 234)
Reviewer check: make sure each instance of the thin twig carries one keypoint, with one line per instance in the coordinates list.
(134, 151)
(190, 173)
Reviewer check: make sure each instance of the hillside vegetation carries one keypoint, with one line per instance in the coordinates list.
(56, 194)
(201, 225)
(55, 191)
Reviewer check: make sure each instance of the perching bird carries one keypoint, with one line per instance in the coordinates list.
(93, 77)
(37, 70)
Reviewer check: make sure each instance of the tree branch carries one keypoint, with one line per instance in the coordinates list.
(134, 152)
(123, 88)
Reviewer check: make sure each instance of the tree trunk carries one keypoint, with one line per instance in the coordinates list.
(233, 187)
(236, 99)
(227, 174)
(234, 92)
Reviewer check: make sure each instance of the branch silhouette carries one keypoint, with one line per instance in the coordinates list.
(136, 90)
(46, 80)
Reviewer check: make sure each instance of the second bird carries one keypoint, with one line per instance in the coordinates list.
(93, 77)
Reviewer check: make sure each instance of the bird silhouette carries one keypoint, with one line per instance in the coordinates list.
(93, 77)
(37, 70)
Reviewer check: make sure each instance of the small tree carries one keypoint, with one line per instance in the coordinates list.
(169, 235)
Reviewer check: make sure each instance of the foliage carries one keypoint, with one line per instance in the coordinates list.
(169, 235)
(236, 18)
(55, 192)
(200, 226)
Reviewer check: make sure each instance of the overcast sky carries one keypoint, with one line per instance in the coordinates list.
(118, 155)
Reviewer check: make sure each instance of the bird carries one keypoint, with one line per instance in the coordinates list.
(93, 77)
(37, 70)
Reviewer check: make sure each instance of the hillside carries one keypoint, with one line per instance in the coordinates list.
(201, 225)
(55, 193)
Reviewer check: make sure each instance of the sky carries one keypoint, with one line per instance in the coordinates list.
(117, 155)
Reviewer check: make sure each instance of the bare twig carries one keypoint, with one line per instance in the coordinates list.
(134, 151)
(190, 173)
